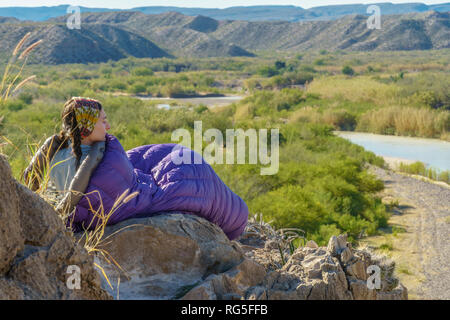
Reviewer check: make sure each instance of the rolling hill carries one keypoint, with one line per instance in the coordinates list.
(115, 35)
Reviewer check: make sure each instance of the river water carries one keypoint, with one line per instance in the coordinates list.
(433, 152)
(208, 101)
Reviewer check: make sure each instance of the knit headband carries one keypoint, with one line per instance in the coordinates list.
(87, 112)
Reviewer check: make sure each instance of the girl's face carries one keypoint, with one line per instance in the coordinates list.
(99, 132)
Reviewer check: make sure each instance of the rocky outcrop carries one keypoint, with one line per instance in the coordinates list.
(172, 256)
(310, 273)
(165, 254)
(36, 252)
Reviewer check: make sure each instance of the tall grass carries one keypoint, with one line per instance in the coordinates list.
(13, 71)
(340, 119)
(419, 168)
(407, 121)
(409, 105)
(356, 89)
(10, 80)
(93, 240)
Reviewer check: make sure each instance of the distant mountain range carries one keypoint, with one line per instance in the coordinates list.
(250, 13)
(115, 35)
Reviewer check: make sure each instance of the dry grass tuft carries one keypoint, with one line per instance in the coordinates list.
(93, 240)
(9, 79)
(285, 238)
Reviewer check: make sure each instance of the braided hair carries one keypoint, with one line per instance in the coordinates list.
(71, 129)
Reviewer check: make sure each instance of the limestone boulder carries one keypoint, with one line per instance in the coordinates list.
(160, 256)
(37, 253)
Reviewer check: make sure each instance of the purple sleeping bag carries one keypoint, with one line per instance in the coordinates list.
(162, 185)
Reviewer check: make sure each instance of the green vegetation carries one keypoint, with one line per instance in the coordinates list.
(381, 106)
(322, 186)
(387, 246)
(12, 80)
(396, 230)
(420, 169)
(404, 269)
(348, 70)
(401, 93)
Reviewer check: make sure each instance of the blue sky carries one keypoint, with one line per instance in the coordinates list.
(191, 3)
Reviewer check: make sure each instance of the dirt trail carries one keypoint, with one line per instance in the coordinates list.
(423, 251)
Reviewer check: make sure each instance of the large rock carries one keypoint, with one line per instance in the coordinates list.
(175, 255)
(165, 254)
(36, 252)
(231, 285)
(11, 238)
(37, 217)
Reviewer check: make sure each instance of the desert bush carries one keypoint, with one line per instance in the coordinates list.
(138, 88)
(142, 71)
(339, 119)
(347, 70)
(268, 71)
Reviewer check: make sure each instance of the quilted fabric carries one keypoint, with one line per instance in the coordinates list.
(163, 185)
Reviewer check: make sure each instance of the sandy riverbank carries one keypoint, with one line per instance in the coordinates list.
(394, 162)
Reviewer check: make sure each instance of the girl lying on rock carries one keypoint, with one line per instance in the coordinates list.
(93, 169)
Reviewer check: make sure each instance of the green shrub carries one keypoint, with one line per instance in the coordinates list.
(347, 70)
(26, 97)
(431, 99)
(279, 81)
(307, 69)
(15, 105)
(138, 88)
(340, 119)
(201, 108)
(142, 71)
(444, 176)
(299, 77)
(325, 232)
(294, 207)
(320, 62)
(118, 85)
(268, 71)
(280, 64)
